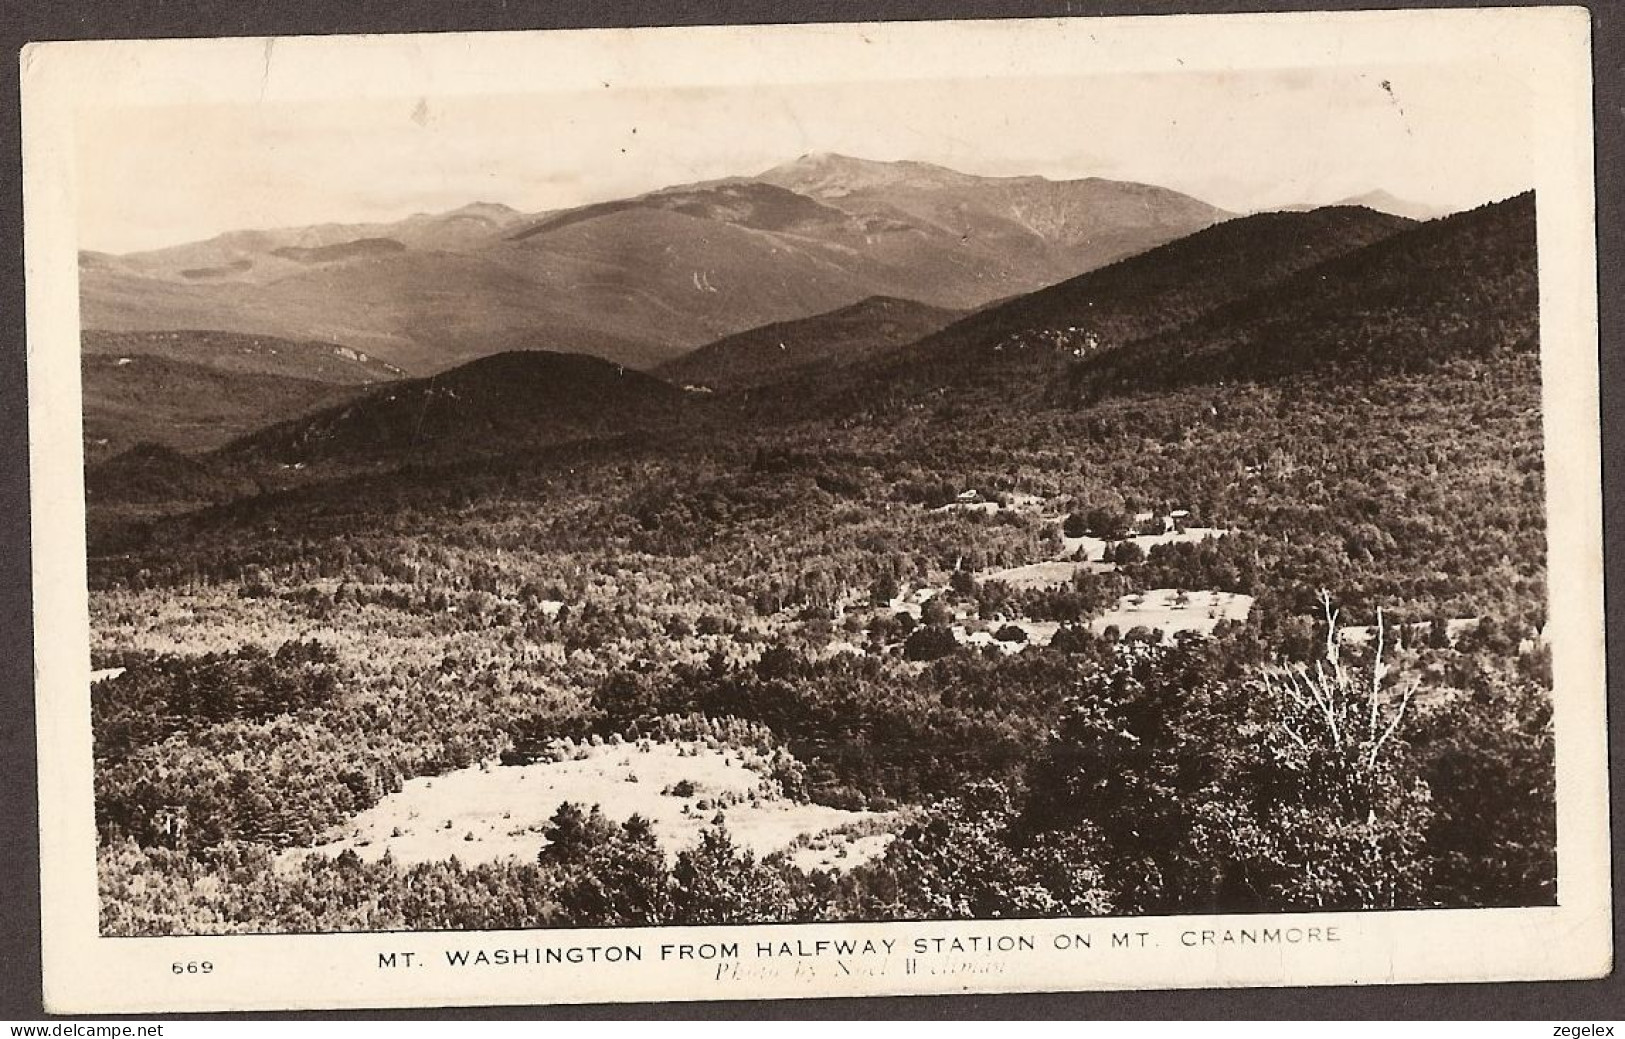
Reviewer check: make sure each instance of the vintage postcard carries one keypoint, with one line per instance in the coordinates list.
(757, 512)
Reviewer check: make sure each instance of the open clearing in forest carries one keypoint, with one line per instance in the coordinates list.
(1039, 633)
(1095, 548)
(1047, 574)
(1160, 608)
(493, 812)
(1017, 502)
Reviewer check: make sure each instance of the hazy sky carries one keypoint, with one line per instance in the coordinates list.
(1453, 135)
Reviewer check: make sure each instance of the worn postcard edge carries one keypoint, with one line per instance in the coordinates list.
(87, 973)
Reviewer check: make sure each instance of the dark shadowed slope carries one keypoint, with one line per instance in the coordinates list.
(150, 476)
(500, 405)
(1019, 346)
(1168, 286)
(1463, 285)
(771, 352)
(130, 399)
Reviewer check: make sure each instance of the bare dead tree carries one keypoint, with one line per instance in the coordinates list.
(1337, 707)
(1351, 837)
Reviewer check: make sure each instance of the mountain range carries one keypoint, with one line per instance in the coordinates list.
(1339, 290)
(1162, 290)
(642, 280)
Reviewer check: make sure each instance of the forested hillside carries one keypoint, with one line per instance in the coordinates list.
(1465, 285)
(488, 407)
(195, 391)
(760, 356)
(1244, 613)
(1020, 348)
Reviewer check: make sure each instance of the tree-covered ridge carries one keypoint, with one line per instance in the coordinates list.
(135, 398)
(1166, 287)
(771, 353)
(1422, 492)
(485, 407)
(1465, 285)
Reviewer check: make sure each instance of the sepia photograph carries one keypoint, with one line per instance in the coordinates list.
(759, 510)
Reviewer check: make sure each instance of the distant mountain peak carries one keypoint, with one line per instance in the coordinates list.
(826, 160)
(1384, 201)
(643, 278)
(484, 209)
(832, 175)
(1378, 200)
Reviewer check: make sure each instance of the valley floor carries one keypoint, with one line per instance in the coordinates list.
(838, 698)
